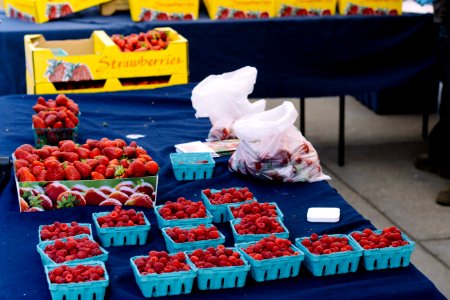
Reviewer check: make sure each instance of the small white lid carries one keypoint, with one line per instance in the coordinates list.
(323, 214)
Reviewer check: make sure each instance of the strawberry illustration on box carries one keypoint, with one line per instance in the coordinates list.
(101, 173)
(105, 63)
(235, 9)
(370, 7)
(41, 11)
(149, 10)
(302, 8)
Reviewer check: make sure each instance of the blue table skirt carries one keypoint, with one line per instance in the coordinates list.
(312, 56)
(165, 117)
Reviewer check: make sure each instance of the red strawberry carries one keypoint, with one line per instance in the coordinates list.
(38, 122)
(129, 151)
(41, 100)
(20, 163)
(67, 146)
(41, 201)
(54, 189)
(61, 100)
(224, 14)
(39, 107)
(73, 107)
(109, 172)
(94, 152)
(79, 188)
(92, 162)
(112, 152)
(103, 160)
(26, 175)
(139, 199)
(72, 117)
(145, 188)
(50, 120)
(61, 115)
(70, 156)
(140, 151)
(122, 197)
(41, 175)
(136, 169)
(127, 183)
(110, 202)
(70, 199)
(55, 172)
(126, 190)
(97, 176)
(37, 170)
(83, 168)
(23, 204)
(94, 144)
(152, 167)
(101, 169)
(19, 153)
(32, 158)
(43, 153)
(106, 189)
(94, 196)
(83, 153)
(72, 173)
(68, 123)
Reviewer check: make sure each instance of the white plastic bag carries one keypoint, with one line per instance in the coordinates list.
(224, 99)
(272, 148)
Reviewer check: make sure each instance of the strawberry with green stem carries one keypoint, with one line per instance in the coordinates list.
(70, 199)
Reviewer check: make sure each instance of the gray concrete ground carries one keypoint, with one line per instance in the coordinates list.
(379, 179)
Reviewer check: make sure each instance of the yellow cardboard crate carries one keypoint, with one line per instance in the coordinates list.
(108, 85)
(41, 11)
(240, 9)
(370, 7)
(289, 8)
(97, 64)
(109, 8)
(148, 10)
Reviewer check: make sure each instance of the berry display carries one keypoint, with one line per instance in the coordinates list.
(59, 230)
(199, 233)
(270, 247)
(182, 209)
(158, 262)
(94, 160)
(73, 248)
(389, 237)
(144, 41)
(216, 257)
(74, 274)
(257, 224)
(59, 113)
(326, 244)
(226, 196)
(263, 209)
(121, 217)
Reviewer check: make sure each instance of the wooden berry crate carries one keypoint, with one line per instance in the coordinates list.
(109, 8)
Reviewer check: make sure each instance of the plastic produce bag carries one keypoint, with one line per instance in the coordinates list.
(224, 99)
(272, 148)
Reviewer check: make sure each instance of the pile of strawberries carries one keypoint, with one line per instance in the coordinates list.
(96, 160)
(389, 237)
(257, 224)
(59, 113)
(121, 217)
(199, 233)
(270, 247)
(263, 209)
(74, 274)
(226, 196)
(73, 248)
(326, 244)
(161, 262)
(216, 257)
(150, 40)
(182, 209)
(59, 230)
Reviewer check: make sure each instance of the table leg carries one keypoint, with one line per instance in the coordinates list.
(341, 150)
(302, 115)
(425, 119)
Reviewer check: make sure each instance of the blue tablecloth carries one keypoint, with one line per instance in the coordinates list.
(315, 56)
(165, 117)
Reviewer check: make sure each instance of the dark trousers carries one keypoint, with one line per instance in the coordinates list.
(440, 135)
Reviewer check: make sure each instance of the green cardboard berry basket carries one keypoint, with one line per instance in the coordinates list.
(243, 238)
(165, 284)
(52, 136)
(46, 260)
(123, 235)
(333, 263)
(187, 246)
(220, 211)
(80, 224)
(273, 268)
(78, 291)
(181, 222)
(231, 217)
(389, 257)
(221, 277)
(192, 166)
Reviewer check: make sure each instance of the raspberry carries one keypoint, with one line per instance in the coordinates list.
(161, 262)
(215, 257)
(226, 196)
(389, 237)
(80, 273)
(120, 217)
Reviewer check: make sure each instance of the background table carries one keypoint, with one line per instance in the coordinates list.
(165, 117)
(296, 57)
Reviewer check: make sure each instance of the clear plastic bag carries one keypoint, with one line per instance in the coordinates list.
(272, 148)
(224, 99)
